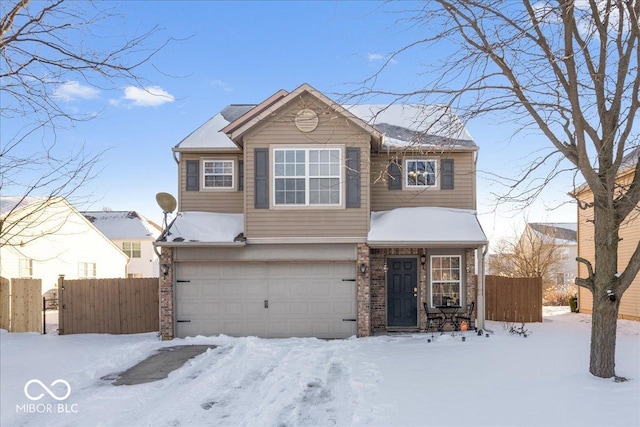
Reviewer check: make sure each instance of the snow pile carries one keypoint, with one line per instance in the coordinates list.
(207, 227)
(396, 380)
(426, 225)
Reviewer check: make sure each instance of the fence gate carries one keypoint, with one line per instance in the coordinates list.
(513, 299)
(108, 306)
(21, 305)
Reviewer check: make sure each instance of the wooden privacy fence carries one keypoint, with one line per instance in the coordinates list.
(108, 306)
(513, 299)
(21, 305)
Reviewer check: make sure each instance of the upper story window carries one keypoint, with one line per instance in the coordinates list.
(86, 270)
(132, 249)
(420, 173)
(217, 173)
(307, 176)
(26, 268)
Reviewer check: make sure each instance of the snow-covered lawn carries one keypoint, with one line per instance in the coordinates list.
(399, 380)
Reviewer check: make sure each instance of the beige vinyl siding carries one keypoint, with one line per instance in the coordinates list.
(209, 200)
(630, 235)
(462, 196)
(306, 221)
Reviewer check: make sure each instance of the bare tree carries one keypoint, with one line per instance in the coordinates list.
(569, 71)
(48, 48)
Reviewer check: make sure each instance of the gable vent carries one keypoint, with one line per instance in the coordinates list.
(306, 120)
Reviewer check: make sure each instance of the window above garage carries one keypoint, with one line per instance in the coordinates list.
(217, 174)
(307, 176)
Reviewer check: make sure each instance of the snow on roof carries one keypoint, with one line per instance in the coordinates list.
(209, 135)
(426, 225)
(562, 232)
(123, 225)
(416, 124)
(208, 227)
(403, 125)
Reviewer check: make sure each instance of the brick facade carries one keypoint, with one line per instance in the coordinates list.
(166, 295)
(363, 296)
(378, 288)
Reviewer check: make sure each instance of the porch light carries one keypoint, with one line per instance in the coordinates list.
(165, 269)
(363, 268)
(423, 259)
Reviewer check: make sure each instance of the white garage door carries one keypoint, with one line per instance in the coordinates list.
(272, 300)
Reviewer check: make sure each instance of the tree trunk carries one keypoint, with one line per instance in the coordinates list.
(605, 311)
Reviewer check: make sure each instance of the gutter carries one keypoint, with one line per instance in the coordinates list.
(199, 244)
(426, 244)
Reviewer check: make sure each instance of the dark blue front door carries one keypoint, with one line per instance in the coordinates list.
(402, 292)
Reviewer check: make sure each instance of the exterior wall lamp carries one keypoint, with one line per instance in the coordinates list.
(165, 269)
(423, 259)
(363, 268)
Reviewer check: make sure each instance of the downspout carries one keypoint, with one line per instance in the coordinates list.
(481, 303)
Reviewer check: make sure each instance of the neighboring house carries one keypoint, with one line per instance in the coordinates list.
(302, 217)
(629, 236)
(134, 235)
(562, 240)
(44, 238)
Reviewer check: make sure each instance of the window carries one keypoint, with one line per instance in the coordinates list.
(307, 176)
(132, 249)
(26, 268)
(446, 280)
(218, 173)
(86, 270)
(420, 173)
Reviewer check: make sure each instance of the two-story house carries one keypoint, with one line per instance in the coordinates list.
(134, 234)
(302, 217)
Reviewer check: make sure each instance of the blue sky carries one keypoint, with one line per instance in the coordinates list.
(242, 52)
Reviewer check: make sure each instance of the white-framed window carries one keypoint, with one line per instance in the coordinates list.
(307, 176)
(217, 174)
(132, 249)
(86, 270)
(26, 268)
(446, 280)
(420, 173)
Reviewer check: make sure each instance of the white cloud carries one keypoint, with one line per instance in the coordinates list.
(151, 96)
(223, 85)
(72, 90)
(374, 57)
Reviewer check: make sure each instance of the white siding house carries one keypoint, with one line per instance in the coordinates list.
(44, 238)
(132, 233)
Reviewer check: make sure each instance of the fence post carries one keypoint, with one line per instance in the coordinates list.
(61, 305)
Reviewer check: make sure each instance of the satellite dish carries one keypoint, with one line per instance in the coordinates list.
(166, 202)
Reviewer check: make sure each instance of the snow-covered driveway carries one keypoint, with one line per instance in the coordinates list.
(384, 381)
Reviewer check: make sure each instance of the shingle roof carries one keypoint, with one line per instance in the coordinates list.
(123, 225)
(560, 231)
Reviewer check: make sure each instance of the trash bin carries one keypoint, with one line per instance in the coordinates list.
(573, 304)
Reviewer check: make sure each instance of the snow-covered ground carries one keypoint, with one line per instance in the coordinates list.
(398, 380)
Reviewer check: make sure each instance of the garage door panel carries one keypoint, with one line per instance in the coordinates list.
(304, 299)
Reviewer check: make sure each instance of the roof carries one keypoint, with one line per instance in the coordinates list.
(418, 125)
(426, 226)
(123, 225)
(403, 125)
(564, 232)
(210, 134)
(205, 227)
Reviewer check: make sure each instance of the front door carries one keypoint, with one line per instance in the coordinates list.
(402, 292)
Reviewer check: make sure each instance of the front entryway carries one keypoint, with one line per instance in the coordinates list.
(402, 292)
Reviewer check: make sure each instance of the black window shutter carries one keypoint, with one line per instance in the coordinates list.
(446, 174)
(240, 175)
(261, 178)
(193, 175)
(394, 180)
(353, 177)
